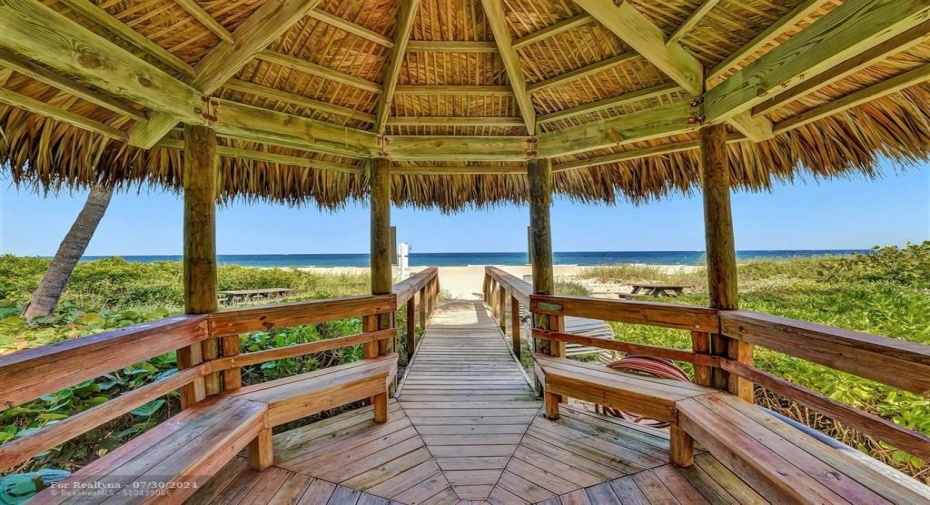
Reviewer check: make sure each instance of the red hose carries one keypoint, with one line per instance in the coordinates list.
(648, 366)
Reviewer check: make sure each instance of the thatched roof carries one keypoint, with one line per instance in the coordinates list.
(606, 90)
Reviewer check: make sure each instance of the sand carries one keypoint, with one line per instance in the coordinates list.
(464, 283)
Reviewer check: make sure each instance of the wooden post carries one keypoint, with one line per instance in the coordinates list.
(411, 328)
(381, 272)
(516, 327)
(502, 310)
(201, 166)
(423, 306)
(721, 254)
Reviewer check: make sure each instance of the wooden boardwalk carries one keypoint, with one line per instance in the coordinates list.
(466, 428)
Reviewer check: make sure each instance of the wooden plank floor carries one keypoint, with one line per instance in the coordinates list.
(466, 428)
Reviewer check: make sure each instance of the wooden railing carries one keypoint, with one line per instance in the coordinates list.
(896, 363)
(29, 374)
(498, 287)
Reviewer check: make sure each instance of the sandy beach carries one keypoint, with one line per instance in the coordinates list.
(464, 282)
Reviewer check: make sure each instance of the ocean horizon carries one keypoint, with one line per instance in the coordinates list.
(488, 258)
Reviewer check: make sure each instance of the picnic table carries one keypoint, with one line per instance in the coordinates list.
(245, 295)
(654, 290)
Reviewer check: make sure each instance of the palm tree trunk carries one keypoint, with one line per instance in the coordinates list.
(45, 298)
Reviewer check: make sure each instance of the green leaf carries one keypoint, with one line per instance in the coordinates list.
(149, 408)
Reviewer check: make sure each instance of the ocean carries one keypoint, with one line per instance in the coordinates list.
(465, 259)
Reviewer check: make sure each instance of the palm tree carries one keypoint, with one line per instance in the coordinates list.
(45, 298)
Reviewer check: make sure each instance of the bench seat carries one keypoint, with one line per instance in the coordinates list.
(169, 462)
(783, 463)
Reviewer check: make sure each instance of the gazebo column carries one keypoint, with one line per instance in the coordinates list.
(539, 172)
(201, 165)
(381, 272)
(721, 255)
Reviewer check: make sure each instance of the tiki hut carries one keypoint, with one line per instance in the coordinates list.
(450, 105)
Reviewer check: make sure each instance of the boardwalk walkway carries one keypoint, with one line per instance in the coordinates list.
(466, 428)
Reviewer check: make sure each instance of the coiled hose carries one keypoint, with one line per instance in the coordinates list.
(649, 366)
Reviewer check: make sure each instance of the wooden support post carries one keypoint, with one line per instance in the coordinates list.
(539, 173)
(201, 165)
(721, 254)
(411, 328)
(700, 343)
(502, 310)
(680, 447)
(381, 272)
(261, 451)
(516, 327)
(424, 304)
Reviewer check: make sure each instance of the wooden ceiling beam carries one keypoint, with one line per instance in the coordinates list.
(845, 32)
(103, 18)
(610, 103)
(553, 30)
(882, 89)
(252, 154)
(462, 148)
(455, 121)
(319, 71)
(639, 154)
(224, 61)
(644, 37)
(581, 73)
(852, 66)
(402, 29)
(451, 90)
(498, 22)
(301, 101)
(777, 29)
(205, 19)
(66, 85)
(702, 11)
(455, 170)
(451, 46)
(34, 30)
(354, 29)
(38, 107)
(638, 126)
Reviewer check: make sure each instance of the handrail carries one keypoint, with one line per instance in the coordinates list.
(408, 288)
(516, 287)
(897, 363)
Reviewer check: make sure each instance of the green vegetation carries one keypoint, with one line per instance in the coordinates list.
(884, 293)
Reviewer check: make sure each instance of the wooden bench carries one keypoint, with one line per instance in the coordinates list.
(648, 396)
(783, 463)
(292, 398)
(170, 461)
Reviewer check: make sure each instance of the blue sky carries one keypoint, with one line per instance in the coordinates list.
(838, 214)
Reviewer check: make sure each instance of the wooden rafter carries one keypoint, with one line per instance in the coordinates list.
(442, 148)
(38, 107)
(455, 121)
(873, 55)
(405, 16)
(581, 73)
(638, 32)
(258, 31)
(103, 18)
(785, 23)
(639, 154)
(319, 71)
(456, 170)
(638, 126)
(451, 46)
(553, 30)
(301, 101)
(845, 32)
(610, 103)
(884, 88)
(498, 22)
(443, 90)
(41, 74)
(702, 11)
(350, 27)
(204, 18)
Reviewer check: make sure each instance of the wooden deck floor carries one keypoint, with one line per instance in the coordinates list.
(465, 427)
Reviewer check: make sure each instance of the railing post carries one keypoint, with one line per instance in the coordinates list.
(700, 343)
(721, 255)
(411, 328)
(423, 306)
(515, 326)
(502, 310)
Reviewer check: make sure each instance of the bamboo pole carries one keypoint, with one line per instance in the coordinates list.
(200, 187)
(721, 254)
